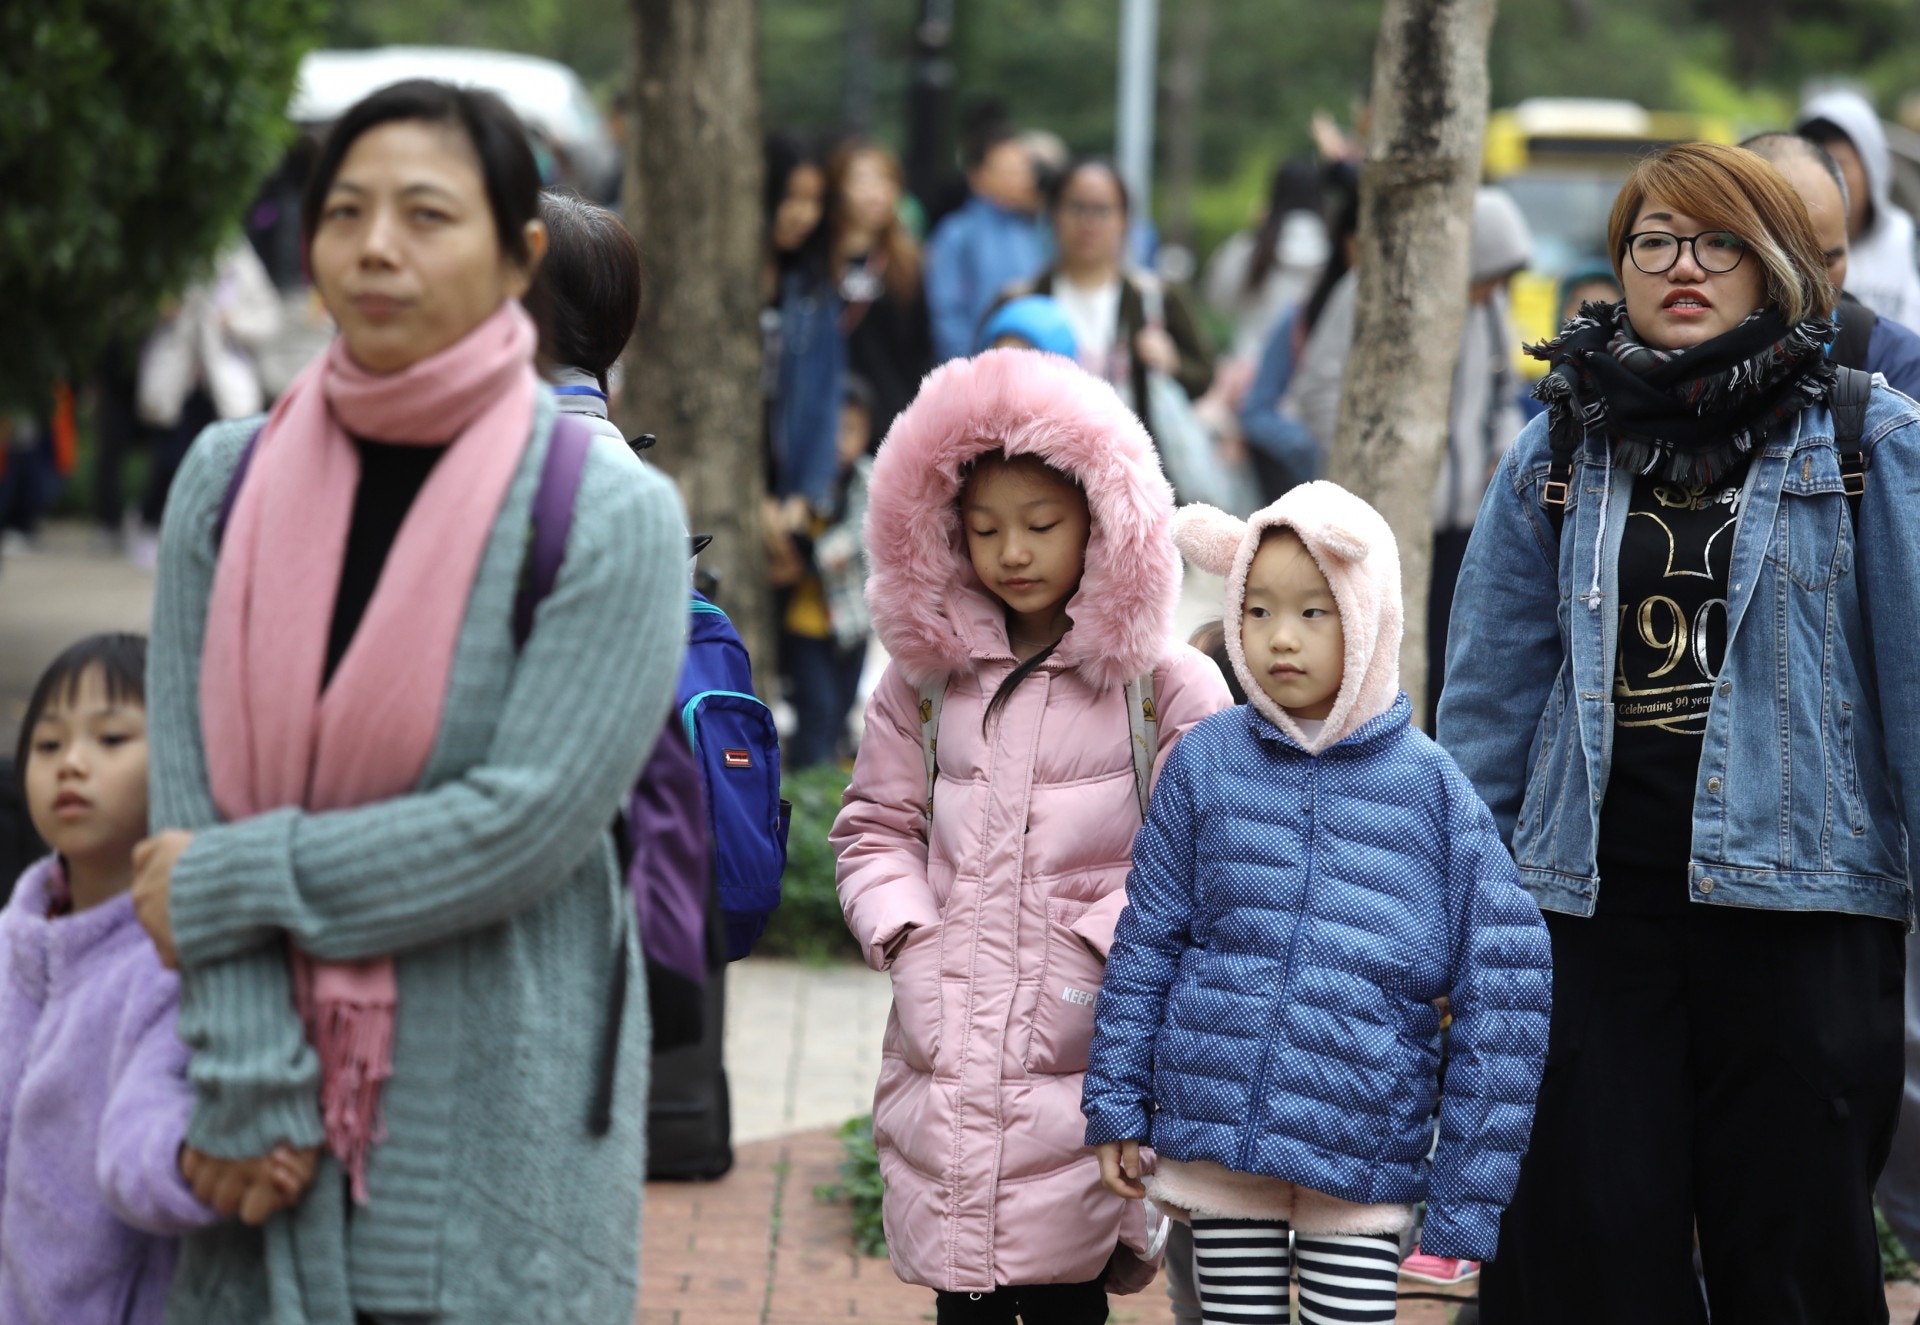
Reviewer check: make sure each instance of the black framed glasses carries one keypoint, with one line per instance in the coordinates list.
(1655, 251)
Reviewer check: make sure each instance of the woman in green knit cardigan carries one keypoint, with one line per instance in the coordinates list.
(467, 920)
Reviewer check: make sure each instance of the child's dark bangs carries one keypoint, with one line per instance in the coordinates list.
(122, 660)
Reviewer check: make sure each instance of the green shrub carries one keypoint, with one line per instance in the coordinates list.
(808, 923)
(1894, 1261)
(134, 135)
(859, 1186)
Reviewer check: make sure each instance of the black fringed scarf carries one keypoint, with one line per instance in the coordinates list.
(1685, 416)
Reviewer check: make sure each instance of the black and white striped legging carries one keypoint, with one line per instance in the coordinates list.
(1241, 1269)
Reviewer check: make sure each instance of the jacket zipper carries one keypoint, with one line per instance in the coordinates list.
(1286, 967)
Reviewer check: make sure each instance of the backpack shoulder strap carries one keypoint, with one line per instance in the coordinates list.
(1143, 736)
(1565, 432)
(232, 496)
(552, 521)
(1857, 322)
(932, 695)
(1852, 389)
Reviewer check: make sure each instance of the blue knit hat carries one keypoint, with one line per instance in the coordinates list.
(1036, 319)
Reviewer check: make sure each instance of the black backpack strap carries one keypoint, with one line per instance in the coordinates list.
(607, 1064)
(1565, 432)
(1852, 389)
(1856, 332)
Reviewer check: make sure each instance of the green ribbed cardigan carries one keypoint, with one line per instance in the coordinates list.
(495, 888)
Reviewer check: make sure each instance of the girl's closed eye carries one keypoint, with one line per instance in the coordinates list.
(1043, 528)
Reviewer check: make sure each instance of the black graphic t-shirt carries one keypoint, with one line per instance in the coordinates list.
(1674, 560)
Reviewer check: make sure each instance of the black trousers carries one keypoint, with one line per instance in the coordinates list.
(1040, 1304)
(1449, 553)
(170, 447)
(1729, 1073)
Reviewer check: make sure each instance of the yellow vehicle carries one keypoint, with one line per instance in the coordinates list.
(1563, 160)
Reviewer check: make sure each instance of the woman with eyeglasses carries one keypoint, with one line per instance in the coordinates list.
(1682, 673)
(1126, 322)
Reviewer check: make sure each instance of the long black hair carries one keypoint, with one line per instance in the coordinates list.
(507, 168)
(785, 156)
(1345, 225)
(122, 660)
(1295, 188)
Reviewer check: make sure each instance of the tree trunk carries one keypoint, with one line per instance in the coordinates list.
(693, 202)
(1429, 110)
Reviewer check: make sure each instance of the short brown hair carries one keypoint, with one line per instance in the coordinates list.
(1726, 188)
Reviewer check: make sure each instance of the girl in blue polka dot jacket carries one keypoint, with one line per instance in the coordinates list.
(1313, 875)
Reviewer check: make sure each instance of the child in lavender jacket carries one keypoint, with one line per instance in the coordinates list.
(94, 1098)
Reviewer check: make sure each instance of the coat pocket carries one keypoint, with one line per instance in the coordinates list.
(1808, 542)
(1063, 1014)
(915, 1030)
(1849, 773)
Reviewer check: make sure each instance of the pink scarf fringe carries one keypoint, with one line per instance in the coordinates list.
(273, 735)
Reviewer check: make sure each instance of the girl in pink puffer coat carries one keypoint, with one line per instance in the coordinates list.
(1023, 575)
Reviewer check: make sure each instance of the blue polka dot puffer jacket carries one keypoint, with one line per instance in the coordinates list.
(1269, 999)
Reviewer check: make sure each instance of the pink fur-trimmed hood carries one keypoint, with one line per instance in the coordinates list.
(929, 608)
(1355, 550)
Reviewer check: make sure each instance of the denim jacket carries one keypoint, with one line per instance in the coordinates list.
(1809, 782)
(807, 388)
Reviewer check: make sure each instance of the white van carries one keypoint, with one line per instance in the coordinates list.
(548, 96)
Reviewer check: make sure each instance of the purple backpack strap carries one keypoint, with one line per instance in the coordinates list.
(552, 520)
(233, 487)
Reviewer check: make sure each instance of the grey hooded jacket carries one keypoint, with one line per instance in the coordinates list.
(1880, 269)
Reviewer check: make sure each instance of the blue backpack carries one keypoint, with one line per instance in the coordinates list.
(703, 833)
(737, 750)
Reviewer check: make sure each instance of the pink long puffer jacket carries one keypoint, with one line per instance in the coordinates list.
(1012, 897)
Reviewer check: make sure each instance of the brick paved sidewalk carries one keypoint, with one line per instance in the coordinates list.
(756, 1248)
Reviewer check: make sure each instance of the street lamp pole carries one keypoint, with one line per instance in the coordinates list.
(928, 95)
(1133, 150)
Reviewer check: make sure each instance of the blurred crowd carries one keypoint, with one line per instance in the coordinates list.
(1239, 380)
(866, 287)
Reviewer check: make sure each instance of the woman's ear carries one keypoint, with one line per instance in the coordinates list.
(522, 280)
(1208, 536)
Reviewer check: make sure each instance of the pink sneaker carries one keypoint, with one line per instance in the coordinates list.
(1441, 1271)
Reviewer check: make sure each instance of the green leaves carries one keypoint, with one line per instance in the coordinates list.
(809, 923)
(860, 1186)
(133, 134)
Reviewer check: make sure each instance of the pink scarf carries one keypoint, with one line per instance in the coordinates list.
(273, 736)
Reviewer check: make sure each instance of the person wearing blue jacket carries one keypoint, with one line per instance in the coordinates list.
(1867, 341)
(990, 243)
(1681, 673)
(1314, 877)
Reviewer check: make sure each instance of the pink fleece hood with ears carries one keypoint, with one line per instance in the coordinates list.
(929, 608)
(1355, 550)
